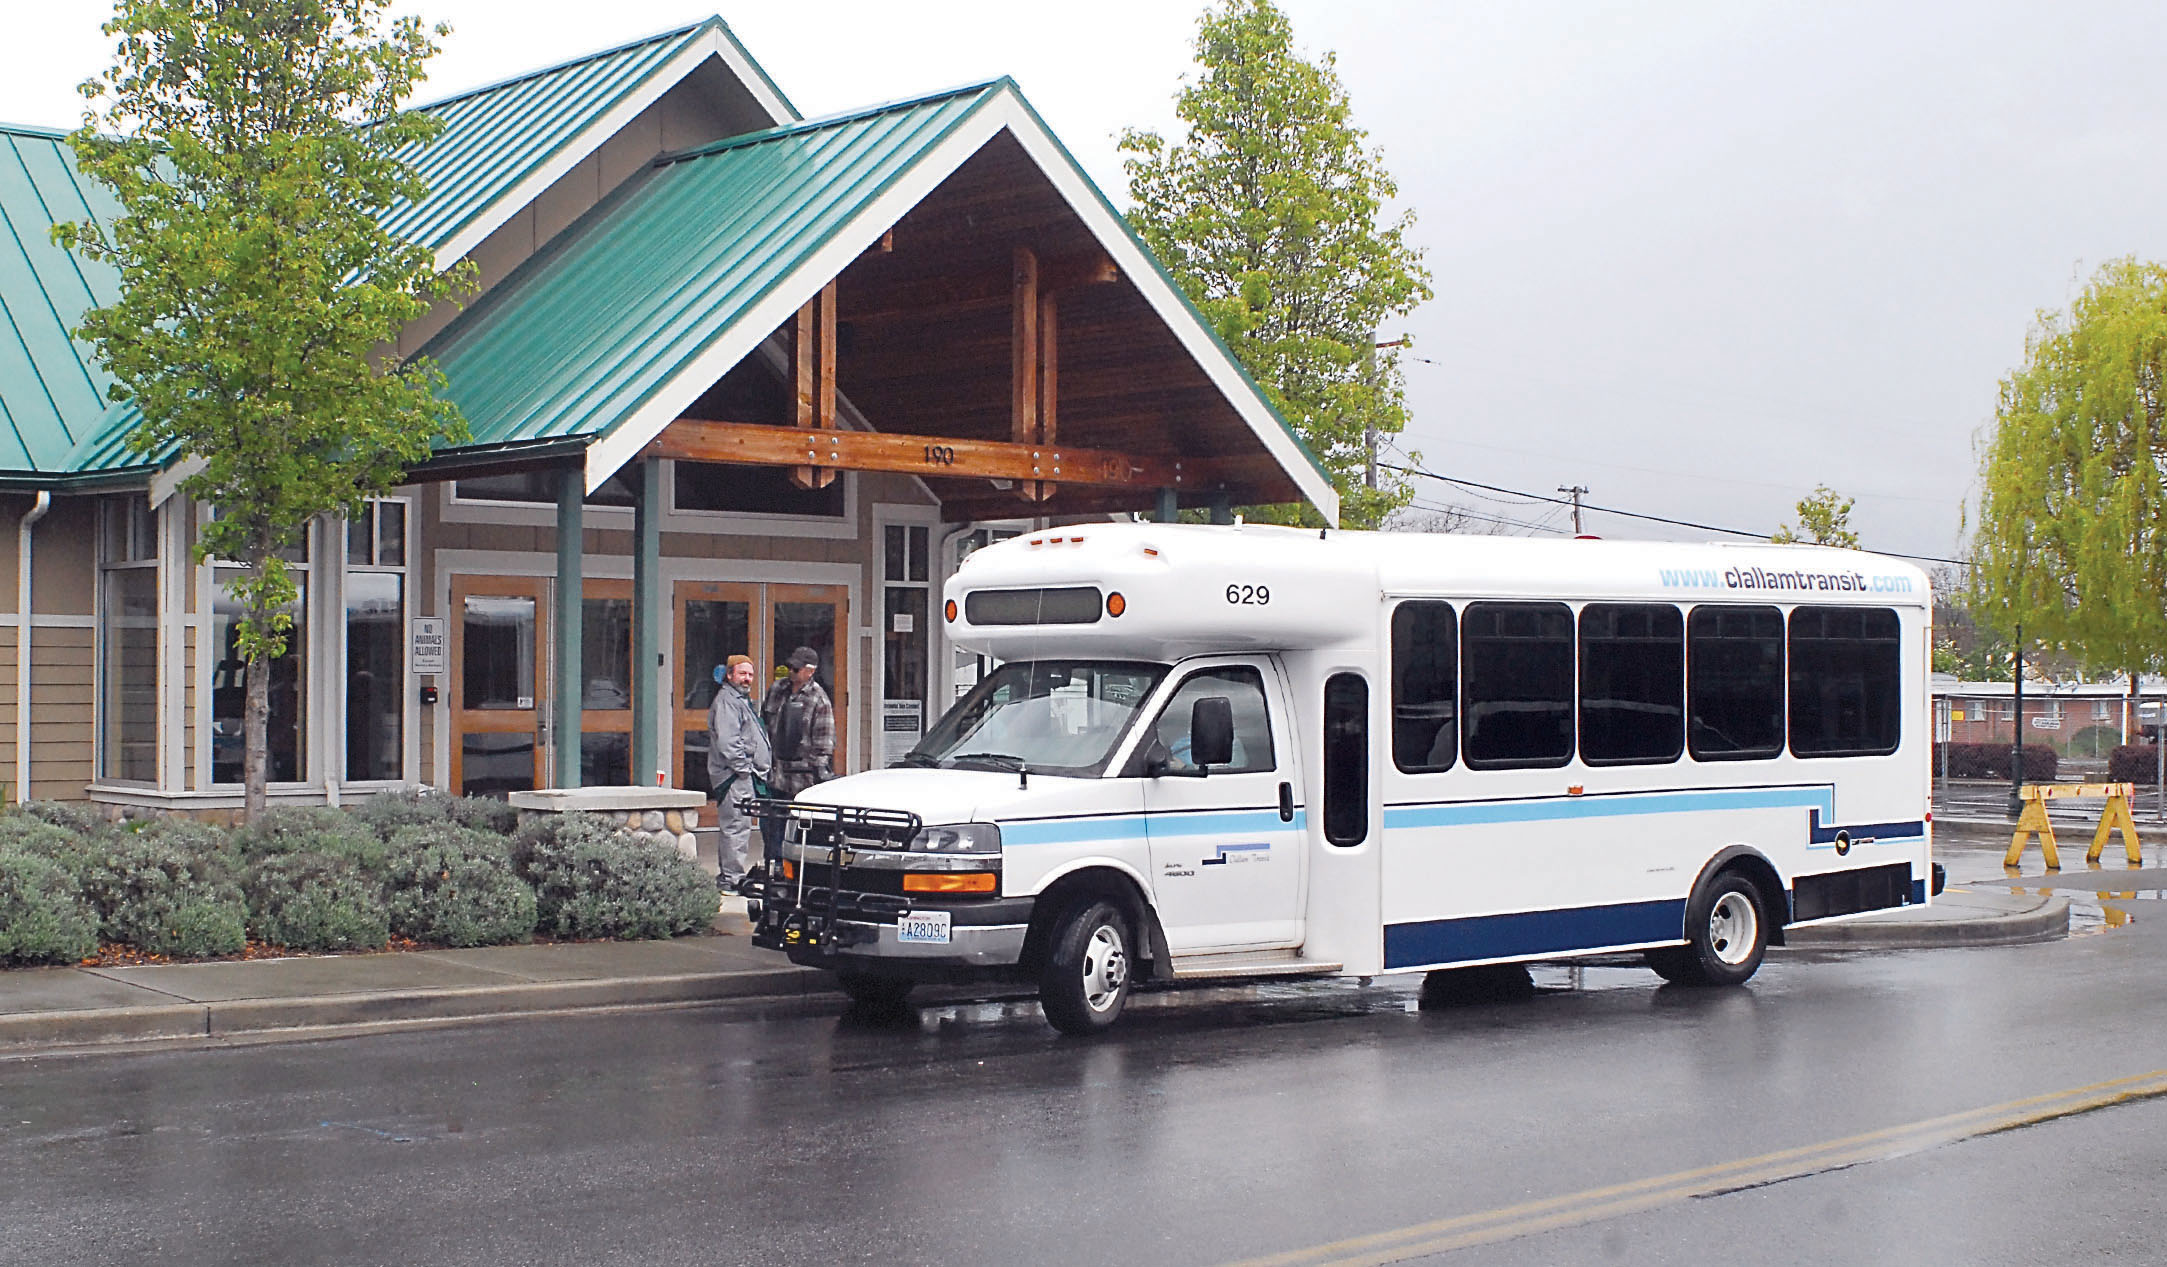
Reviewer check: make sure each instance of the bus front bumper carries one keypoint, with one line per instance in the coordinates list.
(982, 935)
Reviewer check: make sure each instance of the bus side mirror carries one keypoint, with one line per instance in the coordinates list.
(1211, 732)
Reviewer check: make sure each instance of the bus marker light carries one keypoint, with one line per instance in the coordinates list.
(1115, 604)
(1575, 789)
(949, 882)
(950, 611)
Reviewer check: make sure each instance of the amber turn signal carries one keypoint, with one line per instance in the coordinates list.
(1115, 604)
(951, 611)
(950, 882)
(790, 870)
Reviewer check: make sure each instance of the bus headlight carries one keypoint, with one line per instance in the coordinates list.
(958, 838)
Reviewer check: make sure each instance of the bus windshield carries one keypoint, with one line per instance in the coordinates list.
(1061, 717)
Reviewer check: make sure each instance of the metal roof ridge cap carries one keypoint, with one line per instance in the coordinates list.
(37, 130)
(567, 64)
(828, 121)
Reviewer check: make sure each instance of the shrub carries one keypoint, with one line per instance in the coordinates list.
(165, 891)
(1991, 761)
(387, 812)
(455, 886)
(314, 829)
(307, 900)
(2134, 763)
(484, 813)
(26, 834)
(594, 879)
(43, 919)
(79, 817)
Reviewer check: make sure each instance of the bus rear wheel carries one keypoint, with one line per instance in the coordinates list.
(1087, 977)
(1726, 936)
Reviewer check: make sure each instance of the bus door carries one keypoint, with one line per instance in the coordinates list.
(1226, 859)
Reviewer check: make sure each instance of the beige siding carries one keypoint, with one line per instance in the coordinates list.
(62, 684)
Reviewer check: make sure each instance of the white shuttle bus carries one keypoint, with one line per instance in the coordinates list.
(1212, 753)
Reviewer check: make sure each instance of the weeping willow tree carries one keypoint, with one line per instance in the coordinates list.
(2072, 535)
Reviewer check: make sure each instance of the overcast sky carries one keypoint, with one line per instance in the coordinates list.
(1696, 257)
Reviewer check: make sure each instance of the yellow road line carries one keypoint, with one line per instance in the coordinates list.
(1551, 1213)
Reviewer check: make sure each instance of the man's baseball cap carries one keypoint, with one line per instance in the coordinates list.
(804, 657)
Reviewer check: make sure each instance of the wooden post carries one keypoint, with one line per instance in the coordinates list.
(1049, 378)
(1023, 348)
(814, 346)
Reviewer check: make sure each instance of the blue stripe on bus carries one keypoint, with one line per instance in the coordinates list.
(1476, 813)
(1861, 833)
(1067, 831)
(1441, 941)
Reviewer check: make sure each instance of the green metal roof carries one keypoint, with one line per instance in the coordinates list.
(581, 335)
(495, 137)
(52, 391)
(55, 422)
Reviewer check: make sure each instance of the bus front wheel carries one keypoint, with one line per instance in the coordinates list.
(1087, 976)
(1726, 936)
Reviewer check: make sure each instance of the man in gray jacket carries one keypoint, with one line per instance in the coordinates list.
(738, 754)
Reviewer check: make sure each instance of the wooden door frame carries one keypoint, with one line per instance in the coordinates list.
(463, 586)
(839, 672)
(686, 590)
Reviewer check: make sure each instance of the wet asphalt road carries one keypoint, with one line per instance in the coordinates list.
(1208, 1128)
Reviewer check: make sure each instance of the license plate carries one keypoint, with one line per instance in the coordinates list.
(923, 927)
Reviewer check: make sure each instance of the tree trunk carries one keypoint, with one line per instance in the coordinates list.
(256, 737)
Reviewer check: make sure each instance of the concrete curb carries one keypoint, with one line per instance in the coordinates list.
(2047, 921)
(100, 1026)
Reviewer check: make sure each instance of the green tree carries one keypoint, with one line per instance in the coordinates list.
(251, 145)
(2072, 535)
(1824, 519)
(1270, 215)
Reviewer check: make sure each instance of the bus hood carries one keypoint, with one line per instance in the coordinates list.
(959, 796)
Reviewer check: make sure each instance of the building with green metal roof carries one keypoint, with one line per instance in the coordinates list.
(737, 382)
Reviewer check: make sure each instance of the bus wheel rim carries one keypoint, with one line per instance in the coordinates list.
(1732, 926)
(1105, 967)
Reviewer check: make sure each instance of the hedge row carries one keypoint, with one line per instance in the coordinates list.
(2134, 763)
(1991, 761)
(442, 870)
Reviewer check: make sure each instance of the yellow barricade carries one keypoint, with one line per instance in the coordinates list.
(2033, 821)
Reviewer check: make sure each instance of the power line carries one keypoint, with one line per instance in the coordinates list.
(1631, 514)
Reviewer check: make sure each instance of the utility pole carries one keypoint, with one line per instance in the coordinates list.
(1575, 492)
(2016, 739)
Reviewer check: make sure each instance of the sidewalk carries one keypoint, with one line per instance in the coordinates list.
(44, 1009)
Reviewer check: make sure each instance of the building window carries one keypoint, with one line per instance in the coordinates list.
(537, 488)
(376, 553)
(1846, 684)
(754, 490)
(286, 748)
(1425, 653)
(906, 575)
(1517, 674)
(128, 664)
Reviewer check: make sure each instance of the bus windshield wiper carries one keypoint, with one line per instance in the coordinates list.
(999, 760)
(917, 758)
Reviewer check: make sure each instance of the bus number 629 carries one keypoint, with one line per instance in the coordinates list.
(1248, 595)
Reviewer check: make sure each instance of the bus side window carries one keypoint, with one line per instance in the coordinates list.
(1346, 759)
(1517, 675)
(1846, 681)
(1734, 682)
(1632, 683)
(1425, 727)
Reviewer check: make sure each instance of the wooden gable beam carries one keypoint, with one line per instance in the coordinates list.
(939, 457)
(815, 350)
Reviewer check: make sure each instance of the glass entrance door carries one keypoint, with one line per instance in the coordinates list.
(716, 620)
(496, 704)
